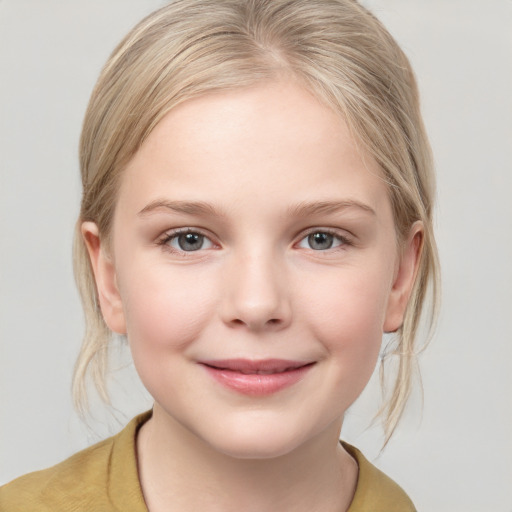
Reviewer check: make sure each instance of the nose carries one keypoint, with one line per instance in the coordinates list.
(255, 294)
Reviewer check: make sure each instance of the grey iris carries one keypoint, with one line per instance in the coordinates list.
(190, 241)
(320, 241)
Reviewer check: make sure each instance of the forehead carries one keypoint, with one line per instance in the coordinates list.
(270, 141)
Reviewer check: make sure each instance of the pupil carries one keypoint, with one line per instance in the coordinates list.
(319, 241)
(190, 241)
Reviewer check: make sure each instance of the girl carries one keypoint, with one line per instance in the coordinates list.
(256, 213)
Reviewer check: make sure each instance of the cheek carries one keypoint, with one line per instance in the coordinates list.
(346, 310)
(164, 308)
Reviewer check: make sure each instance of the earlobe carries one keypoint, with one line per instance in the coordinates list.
(404, 279)
(105, 277)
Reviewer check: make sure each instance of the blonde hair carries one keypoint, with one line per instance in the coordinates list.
(335, 48)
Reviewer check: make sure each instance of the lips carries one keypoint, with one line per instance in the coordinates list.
(257, 378)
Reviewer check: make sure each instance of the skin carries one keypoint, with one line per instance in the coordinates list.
(265, 161)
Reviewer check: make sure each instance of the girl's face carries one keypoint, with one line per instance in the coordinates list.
(254, 267)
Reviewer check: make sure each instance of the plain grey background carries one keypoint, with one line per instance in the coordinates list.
(452, 454)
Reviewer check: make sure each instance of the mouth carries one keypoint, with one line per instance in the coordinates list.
(262, 367)
(257, 378)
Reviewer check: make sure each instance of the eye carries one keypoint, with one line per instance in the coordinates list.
(188, 241)
(322, 241)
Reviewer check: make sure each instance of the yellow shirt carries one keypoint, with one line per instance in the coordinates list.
(104, 478)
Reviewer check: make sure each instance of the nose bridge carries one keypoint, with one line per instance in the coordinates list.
(256, 293)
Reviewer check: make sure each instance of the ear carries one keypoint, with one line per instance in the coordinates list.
(105, 277)
(404, 278)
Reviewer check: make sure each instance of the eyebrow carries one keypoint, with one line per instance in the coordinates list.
(185, 207)
(306, 209)
(303, 209)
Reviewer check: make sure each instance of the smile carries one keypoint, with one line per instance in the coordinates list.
(257, 378)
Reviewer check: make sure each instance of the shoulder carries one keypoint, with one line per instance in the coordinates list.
(93, 479)
(73, 480)
(375, 491)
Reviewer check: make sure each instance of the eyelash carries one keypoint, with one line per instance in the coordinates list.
(344, 241)
(169, 236)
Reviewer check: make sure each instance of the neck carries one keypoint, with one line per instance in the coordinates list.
(179, 471)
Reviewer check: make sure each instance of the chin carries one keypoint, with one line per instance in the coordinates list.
(257, 441)
(260, 449)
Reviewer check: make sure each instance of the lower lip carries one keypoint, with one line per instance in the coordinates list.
(257, 384)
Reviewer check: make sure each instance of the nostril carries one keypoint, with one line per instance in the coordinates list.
(253, 325)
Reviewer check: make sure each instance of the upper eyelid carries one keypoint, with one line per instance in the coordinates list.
(341, 233)
(180, 231)
(169, 234)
